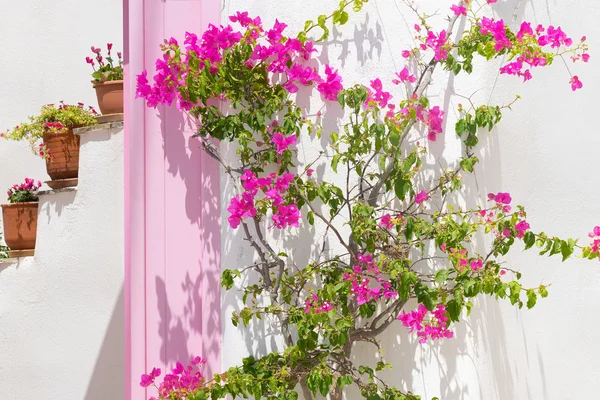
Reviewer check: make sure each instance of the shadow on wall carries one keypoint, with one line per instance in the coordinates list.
(193, 326)
(107, 378)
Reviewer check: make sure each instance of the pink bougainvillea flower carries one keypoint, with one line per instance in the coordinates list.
(310, 171)
(332, 84)
(491, 1)
(386, 221)
(459, 10)
(380, 96)
(146, 380)
(434, 120)
(283, 182)
(595, 232)
(282, 142)
(434, 329)
(575, 83)
(502, 198)
(437, 42)
(476, 265)
(404, 76)
(242, 18)
(240, 208)
(498, 30)
(286, 216)
(521, 228)
(421, 197)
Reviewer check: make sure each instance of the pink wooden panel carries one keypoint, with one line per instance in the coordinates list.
(172, 215)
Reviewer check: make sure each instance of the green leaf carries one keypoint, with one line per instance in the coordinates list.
(335, 161)
(460, 127)
(344, 380)
(408, 230)
(342, 99)
(441, 276)
(529, 240)
(469, 307)
(310, 217)
(531, 298)
(567, 249)
(401, 187)
(453, 307)
(343, 18)
(394, 138)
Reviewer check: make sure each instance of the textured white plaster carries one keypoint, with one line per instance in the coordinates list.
(61, 312)
(544, 153)
(44, 45)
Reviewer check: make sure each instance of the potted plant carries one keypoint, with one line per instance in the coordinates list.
(20, 215)
(108, 80)
(50, 135)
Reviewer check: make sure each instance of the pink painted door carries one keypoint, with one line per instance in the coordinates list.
(172, 209)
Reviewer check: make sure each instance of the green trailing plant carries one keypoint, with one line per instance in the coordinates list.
(52, 119)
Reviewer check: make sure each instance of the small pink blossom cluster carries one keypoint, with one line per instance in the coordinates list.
(532, 56)
(433, 328)
(98, 56)
(404, 76)
(283, 57)
(275, 188)
(283, 142)
(312, 304)
(181, 382)
(377, 95)
(502, 200)
(43, 151)
(421, 197)
(502, 204)
(595, 236)
(460, 258)
(497, 29)
(361, 288)
(439, 43)
(386, 221)
(28, 186)
(432, 118)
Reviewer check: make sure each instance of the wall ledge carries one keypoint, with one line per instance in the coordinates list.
(56, 191)
(99, 127)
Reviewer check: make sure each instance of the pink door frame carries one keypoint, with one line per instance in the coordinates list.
(172, 232)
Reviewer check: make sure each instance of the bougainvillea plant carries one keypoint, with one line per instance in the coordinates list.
(396, 248)
(24, 192)
(51, 119)
(107, 69)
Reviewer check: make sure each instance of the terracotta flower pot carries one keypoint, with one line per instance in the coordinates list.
(64, 148)
(20, 225)
(110, 97)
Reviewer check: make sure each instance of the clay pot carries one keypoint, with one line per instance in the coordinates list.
(20, 225)
(110, 97)
(64, 148)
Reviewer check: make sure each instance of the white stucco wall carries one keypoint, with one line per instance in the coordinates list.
(44, 45)
(61, 312)
(544, 153)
